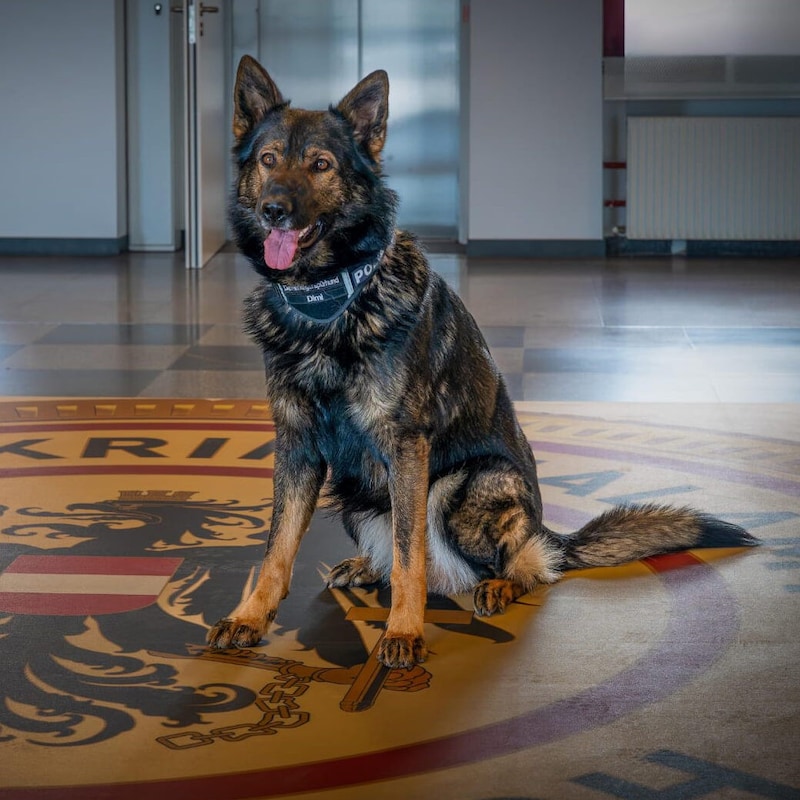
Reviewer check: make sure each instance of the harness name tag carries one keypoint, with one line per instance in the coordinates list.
(329, 298)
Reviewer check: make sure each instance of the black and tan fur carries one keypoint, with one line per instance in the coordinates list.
(396, 404)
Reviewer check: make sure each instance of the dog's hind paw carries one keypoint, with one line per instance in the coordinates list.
(493, 595)
(401, 651)
(231, 632)
(352, 572)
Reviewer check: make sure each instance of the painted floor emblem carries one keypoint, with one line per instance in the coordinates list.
(108, 585)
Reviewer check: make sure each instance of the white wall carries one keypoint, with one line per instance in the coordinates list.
(62, 119)
(712, 28)
(535, 120)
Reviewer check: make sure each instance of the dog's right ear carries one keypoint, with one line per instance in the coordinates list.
(254, 96)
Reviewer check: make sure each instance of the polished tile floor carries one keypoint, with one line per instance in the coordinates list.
(660, 380)
(627, 330)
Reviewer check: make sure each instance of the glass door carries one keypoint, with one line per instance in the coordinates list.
(317, 50)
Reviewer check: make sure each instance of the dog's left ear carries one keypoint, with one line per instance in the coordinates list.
(366, 106)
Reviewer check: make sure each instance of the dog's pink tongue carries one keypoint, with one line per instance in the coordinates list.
(279, 248)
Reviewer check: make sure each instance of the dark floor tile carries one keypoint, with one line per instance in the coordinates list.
(745, 336)
(605, 336)
(75, 382)
(608, 360)
(22, 332)
(220, 357)
(504, 336)
(588, 387)
(103, 333)
(514, 385)
(8, 349)
(643, 336)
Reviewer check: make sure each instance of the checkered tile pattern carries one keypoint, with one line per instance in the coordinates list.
(622, 330)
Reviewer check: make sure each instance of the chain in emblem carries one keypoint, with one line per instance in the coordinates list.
(279, 708)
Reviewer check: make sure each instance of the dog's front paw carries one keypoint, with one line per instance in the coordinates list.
(352, 572)
(399, 651)
(234, 632)
(493, 595)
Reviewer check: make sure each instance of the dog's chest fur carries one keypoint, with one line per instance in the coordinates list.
(349, 379)
(391, 366)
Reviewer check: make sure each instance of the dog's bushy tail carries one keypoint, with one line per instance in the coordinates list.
(628, 533)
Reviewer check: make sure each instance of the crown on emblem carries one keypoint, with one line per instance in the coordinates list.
(154, 495)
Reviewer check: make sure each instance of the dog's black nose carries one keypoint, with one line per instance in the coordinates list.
(275, 212)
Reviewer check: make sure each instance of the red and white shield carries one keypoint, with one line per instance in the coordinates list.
(83, 585)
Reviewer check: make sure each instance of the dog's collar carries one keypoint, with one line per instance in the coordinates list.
(326, 300)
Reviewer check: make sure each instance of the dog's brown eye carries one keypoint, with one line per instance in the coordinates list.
(322, 164)
(268, 159)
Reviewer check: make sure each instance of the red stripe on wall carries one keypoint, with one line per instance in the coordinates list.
(613, 28)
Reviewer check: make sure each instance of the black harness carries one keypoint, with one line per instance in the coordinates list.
(329, 298)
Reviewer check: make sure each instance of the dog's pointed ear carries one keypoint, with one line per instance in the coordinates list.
(253, 97)
(366, 107)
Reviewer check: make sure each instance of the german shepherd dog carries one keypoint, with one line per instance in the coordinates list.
(382, 387)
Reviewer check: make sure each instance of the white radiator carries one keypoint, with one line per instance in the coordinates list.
(713, 178)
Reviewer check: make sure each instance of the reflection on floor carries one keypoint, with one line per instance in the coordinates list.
(657, 330)
(132, 511)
